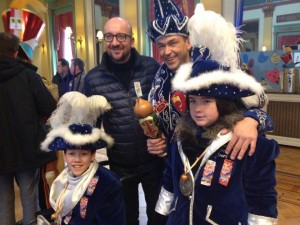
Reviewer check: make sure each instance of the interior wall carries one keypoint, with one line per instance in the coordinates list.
(129, 12)
(3, 6)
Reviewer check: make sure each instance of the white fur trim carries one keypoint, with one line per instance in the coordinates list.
(183, 73)
(75, 139)
(238, 78)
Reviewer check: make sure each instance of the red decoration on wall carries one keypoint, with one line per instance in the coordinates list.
(288, 41)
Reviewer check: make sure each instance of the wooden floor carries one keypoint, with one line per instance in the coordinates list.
(288, 187)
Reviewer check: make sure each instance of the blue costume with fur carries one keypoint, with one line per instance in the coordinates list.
(250, 189)
(202, 185)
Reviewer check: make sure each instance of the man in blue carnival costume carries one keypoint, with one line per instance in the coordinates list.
(202, 185)
(169, 32)
(85, 192)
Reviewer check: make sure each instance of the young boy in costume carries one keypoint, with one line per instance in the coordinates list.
(84, 192)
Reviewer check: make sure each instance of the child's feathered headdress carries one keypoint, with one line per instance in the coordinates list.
(73, 122)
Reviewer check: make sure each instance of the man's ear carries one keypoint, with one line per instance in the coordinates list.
(132, 42)
(189, 46)
(15, 54)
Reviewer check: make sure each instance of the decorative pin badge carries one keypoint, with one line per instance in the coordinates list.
(83, 207)
(138, 89)
(92, 185)
(208, 173)
(226, 172)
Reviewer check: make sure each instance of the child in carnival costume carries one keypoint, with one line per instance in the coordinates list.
(202, 185)
(84, 192)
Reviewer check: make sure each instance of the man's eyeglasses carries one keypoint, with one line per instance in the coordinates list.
(120, 37)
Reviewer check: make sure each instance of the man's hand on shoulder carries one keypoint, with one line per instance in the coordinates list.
(244, 136)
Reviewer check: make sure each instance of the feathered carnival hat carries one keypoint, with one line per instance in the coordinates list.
(72, 123)
(169, 20)
(215, 70)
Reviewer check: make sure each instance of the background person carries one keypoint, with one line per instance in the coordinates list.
(78, 75)
(62, 77)
(24, 58)
(25, 101)
(121, 78)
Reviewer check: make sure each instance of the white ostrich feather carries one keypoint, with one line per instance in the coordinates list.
(97, 106)
(75, 107)
(209, 29)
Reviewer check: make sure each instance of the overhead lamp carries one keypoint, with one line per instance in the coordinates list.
(99, 36)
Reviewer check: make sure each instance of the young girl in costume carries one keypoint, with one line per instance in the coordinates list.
(84, 192)
(201, 184)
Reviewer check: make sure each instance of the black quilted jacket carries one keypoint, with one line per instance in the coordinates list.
(130, 147)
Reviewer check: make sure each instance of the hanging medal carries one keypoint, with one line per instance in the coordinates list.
(208, 173)
(186, 184)
(226, 172)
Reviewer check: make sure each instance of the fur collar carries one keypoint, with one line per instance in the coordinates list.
(187, 129)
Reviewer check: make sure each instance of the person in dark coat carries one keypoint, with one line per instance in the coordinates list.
(122, 77)
(84, 192)
(63, 76)
(24, 102)
(202, 184)
(78, 75)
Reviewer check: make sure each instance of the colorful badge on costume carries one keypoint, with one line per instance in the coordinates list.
(83, 206)
(179, 101)
(208, 173)
(138, 89)
(226, 172)
(160, 105)
(92, 185)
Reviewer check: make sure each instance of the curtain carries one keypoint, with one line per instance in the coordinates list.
(61, 22)
(32, 24)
